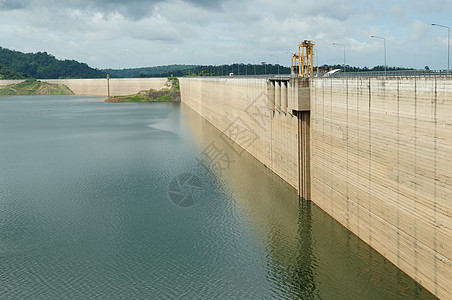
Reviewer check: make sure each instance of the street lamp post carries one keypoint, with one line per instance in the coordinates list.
(277, 61)
(246, 68)
(337, 44)
(265, 64)
(254, 64)
(448, 44)
(317, 57)
(384, 40)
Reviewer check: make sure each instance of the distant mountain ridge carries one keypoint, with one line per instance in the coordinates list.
(42, 65)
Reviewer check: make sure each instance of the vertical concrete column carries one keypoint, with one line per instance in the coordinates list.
(291, 95)
(304, 154)
(278, 95)
(284, 96)
(271, 94)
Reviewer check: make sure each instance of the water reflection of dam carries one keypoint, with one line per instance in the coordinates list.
(307, 254)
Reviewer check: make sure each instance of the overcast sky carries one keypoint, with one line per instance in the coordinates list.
(138, 33)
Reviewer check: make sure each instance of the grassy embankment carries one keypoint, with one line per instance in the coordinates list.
(170, 92)
(35, 87)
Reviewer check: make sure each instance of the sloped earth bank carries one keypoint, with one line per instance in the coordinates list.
(168, 93)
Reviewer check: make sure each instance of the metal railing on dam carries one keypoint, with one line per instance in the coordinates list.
(401, 73)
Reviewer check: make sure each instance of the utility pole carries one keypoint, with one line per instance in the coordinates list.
(448, 44)
(108, 85)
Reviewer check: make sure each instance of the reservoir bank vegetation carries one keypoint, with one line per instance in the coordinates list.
(170, 92)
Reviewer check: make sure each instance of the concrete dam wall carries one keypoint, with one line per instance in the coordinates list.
(381, 166)
(99, 87)
(6, 82)
(373, 153)
(239, 108)
(118, 86)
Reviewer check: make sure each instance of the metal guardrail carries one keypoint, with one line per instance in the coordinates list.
(246, 76)
(402, 73)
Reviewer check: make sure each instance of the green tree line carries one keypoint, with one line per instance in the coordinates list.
(8, 73)
(200, 70)
(148, 71)
(365, 69)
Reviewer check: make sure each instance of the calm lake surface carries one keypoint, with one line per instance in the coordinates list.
(128, 201)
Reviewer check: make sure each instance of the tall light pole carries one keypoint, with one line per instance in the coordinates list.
(265, 64)
(384, 40)
(277, 61)
(448, 44)
(254, 64)
(317, 57)
(246, 67)
(337, 44)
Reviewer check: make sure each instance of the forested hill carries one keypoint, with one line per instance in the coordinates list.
(43, 66)
(8, 73)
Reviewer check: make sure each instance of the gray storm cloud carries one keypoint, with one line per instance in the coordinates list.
(120, 33)
(130, 8)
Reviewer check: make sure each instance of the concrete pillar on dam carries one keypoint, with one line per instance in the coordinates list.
(292, 95)
(299, 96)
(271, 94)
(278, 95)
(284, 96)
(304, 154)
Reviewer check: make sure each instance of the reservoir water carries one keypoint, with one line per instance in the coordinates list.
(138, 201)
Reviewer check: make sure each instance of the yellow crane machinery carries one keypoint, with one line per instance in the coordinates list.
(303, 62)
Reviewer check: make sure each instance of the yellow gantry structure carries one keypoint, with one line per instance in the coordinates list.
(303, 62)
